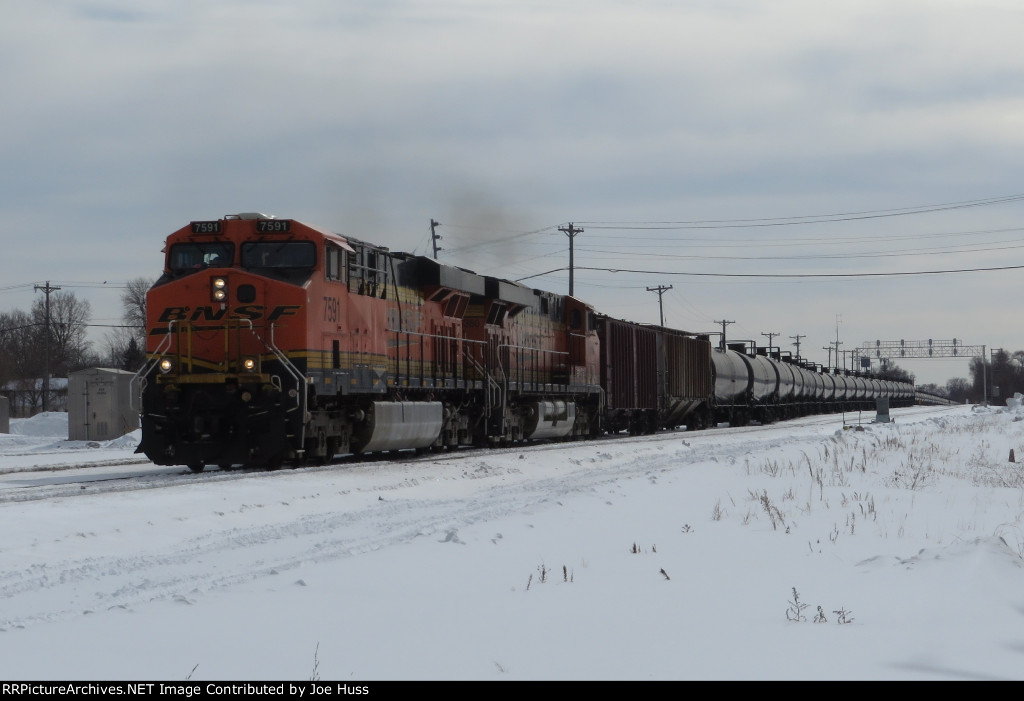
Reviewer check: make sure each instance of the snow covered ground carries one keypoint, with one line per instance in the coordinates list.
(702, 555)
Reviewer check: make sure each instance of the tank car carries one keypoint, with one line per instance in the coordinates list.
(763, 385)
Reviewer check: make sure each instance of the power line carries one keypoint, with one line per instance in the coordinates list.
(104, 284)
(794, 275)
(718, 241)
(804, 219)
(493, 242)
(821, 256)
(754, 222)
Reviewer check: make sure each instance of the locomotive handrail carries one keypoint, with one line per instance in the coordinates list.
(533, 348)
(147, 367)
(300, 378)
(528, 349)
(442, 337)
(434, 335)
(491, 382)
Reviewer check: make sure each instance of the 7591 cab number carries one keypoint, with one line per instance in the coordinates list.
(332, 309)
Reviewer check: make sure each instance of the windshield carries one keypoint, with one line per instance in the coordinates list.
(279, 254)
(192, 256)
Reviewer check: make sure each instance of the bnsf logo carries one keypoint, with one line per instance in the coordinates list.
(247, 311)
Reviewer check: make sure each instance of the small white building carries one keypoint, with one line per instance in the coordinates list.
(99, 404)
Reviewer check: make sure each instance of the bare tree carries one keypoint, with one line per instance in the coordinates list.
(122, 350)
(21, 361)
(133, 302)
(69, 320)
(126, 347)
(20, 354)
(959, 389)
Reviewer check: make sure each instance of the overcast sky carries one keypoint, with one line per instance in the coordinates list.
(731, 138)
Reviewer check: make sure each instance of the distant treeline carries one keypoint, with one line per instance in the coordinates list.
(996, 378)
(50, 340)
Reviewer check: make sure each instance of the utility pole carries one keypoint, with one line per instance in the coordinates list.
(571, 232)
(797, 344)
(836, 344)
(47, 289)
(660, 289)
(992, 354)
(770, 335)
(724, 323)
(984, 378)
(839, 318)
(829, 349)
(435, 237)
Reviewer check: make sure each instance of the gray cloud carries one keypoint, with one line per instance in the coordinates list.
(124, 121)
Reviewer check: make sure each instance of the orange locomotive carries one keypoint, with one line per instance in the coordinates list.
(271, 340)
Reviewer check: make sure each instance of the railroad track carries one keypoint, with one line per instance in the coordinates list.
(64, 480)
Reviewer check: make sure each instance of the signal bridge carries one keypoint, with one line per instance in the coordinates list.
(954, 348)
(931, 348)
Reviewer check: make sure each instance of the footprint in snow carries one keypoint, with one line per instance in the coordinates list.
(452, 537)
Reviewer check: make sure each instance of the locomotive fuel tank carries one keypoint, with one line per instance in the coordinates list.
(398, 426)
(549, 419)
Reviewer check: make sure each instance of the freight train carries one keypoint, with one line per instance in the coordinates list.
(272, 341)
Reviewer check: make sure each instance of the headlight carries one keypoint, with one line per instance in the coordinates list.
(249, 364)
(219, 289)
(166, 365)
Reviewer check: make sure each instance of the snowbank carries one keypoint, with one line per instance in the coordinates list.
(47, 424)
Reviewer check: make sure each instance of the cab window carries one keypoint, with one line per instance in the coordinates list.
(335, 265)
(279, 254)
(367, 272)
(195, 256)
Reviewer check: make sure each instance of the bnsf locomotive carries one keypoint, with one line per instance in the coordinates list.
(271, 340)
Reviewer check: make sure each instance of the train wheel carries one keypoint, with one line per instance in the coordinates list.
(197, 466)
